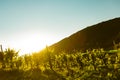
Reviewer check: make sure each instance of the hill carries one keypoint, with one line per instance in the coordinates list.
(101, 35)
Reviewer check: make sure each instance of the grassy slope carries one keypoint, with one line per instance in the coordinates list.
(100, 35)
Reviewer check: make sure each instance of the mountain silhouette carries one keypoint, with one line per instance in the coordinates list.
(102, 35)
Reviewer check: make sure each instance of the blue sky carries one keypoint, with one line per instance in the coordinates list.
(53, 19)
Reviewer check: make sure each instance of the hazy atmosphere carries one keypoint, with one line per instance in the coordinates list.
(30, 25)
(59, 39)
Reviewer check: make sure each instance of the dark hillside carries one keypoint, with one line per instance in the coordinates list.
(101, 35)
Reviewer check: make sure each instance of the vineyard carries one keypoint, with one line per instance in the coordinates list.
(96, 64)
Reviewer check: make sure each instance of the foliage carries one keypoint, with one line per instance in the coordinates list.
(94, 64)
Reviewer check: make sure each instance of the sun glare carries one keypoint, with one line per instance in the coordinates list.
(27, 44)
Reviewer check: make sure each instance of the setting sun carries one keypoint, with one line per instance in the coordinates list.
(32, 42)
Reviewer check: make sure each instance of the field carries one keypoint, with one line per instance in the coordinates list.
(96, 64)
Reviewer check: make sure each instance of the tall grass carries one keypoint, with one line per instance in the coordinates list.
(96, 64)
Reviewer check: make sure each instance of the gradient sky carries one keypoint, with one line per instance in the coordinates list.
(44, 22)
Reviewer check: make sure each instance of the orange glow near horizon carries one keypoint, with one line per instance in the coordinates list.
(27, 44)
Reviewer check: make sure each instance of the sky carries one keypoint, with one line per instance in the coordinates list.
(30, 25)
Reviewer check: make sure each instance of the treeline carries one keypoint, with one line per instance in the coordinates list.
(96, 64)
